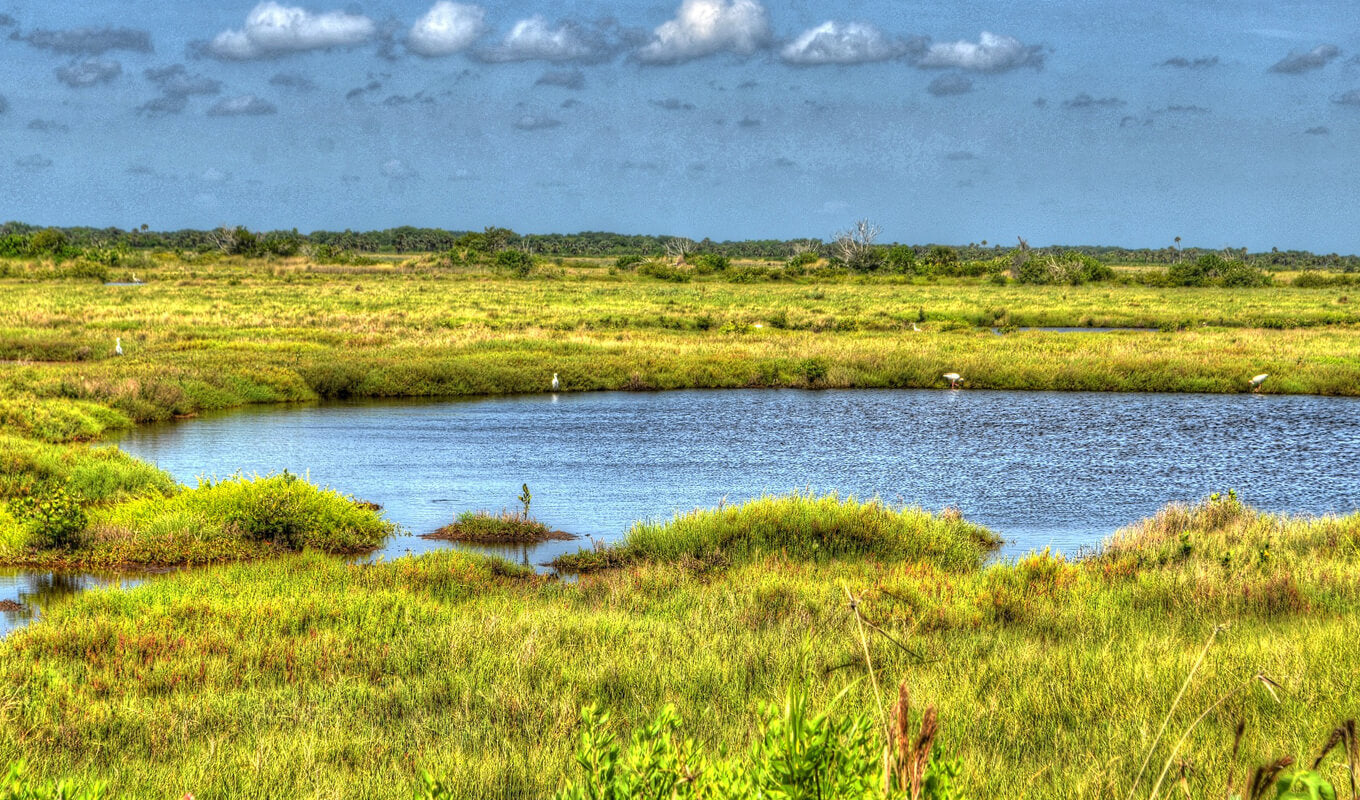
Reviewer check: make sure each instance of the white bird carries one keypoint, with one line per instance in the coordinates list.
(953, 378)
(914, 328)
(556, 384)
(1258, 380)
(118, 345)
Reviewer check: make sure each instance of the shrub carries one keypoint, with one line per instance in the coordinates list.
(49, 241)
(516, 262)
(900, 258)
(707, 263)
(804, 259)
(629, 261)
(52, 515)
(1213, 269)
(814, 370)
(1069, 267)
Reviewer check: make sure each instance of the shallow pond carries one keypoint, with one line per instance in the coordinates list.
(1043, 469)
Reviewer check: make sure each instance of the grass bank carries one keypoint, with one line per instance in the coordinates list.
(310, 677)
(507, 527)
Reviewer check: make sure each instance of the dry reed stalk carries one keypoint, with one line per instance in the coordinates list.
(1262, 679)
(1167, 719)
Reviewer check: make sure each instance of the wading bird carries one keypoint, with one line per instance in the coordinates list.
(1258, 380)
(556, 384)
(914, 328)
(953, 378)
(118, 345)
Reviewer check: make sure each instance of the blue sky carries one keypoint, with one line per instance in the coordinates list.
(1128, 123)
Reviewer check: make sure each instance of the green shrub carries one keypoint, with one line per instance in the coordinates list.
(804, 259)
(629, 261)
(59, 419)
(16, 785)
(1213, 269)
(1068, 267)
(708, 263)
(52, 516)
(516, 262)
(900, 258)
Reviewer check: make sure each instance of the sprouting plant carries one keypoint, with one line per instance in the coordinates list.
(16, 785)
(525, 497)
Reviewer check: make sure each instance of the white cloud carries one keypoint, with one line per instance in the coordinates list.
(704, 27)
(991, 53)
(246, 105)
(446, 28)
(90, 72)
(533, 39)
(272, 30)
(842, 43)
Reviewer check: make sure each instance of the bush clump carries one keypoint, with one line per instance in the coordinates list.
(52, 517)
(1070, 268)
(1213, 269)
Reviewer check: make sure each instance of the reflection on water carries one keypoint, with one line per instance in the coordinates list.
(34, 591)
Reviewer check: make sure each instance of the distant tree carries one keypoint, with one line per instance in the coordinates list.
(48, 241)
(854, 246)
(678, 248)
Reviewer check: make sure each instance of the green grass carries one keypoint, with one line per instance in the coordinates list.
(235, 519)
(505, 527)
(98, 474)
(309, 677)
(796, 526)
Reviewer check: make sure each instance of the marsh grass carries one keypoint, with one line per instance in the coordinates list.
(800, 526)
(506, 527)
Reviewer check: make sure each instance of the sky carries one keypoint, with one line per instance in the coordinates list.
(1228, 123)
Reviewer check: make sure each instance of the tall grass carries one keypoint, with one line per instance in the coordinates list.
(799, 526)
(305, 676)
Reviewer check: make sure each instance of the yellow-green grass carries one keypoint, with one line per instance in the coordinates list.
(310, 677)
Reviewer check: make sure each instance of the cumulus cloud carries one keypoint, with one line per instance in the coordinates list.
(705, 27)
(990, 53)
(447, 28)
(292, 80)
(176, 85)
(842, 43)
(1351, 98)
(273, 30)
(1181, 62)
(47, 126)
(530, 122)
(567, 79)
(535, 39)
(949, 85)
(33, 163)
(90, 72)
(1298, 62)
(88, 41)
(1321, 130)
(672, 104)
(246, 105)
(1085, 100)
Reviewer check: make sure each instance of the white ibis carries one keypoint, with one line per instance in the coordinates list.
(953, 378)
(1258, 380)
(556, 384)
(118, 345)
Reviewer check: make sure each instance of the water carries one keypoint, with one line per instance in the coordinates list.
(1043, 469)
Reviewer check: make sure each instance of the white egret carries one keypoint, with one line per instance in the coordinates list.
(118, 345)
(1258, 380)
(556, 384)
(953, 378)
(914, 328)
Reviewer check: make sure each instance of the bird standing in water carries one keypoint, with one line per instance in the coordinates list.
(953, 378)
(556, 384)
(1258, 380)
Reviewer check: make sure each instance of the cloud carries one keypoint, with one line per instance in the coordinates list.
(398, 100)
(706, 27)
(360, 91)
(90, 72)
(397, 170)
(1041, 102)
(949, 85)
(34, 163)
(88, 41)
(843, 43)
(246, 105)
(570, 102)
(1321, 130)
(749, 122)
(447, 28)
(176, 85)
(534, 39)
(1298, 62)
(530, 122)
(292, 80)
(960, 155)
(1181, 62)
(6, 21)
(1351, 98)
(1085, 100)
(567, 79)
(1174, 109)
(672, 104)
(641, 166)
(4, 104)
(273, 30)
(783, 162)
(991, 53)
(47, 126)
